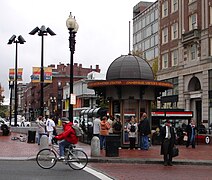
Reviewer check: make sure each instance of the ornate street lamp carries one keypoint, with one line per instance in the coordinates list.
(73, 28)
(20, 40)
(42, 32)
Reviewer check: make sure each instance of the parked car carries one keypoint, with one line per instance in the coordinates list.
(3, 121)
(201, 129)
(20, 122)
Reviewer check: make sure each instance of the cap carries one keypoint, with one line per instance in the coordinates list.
(65, 120)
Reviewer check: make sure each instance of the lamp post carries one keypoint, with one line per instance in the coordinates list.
(19, 40)
(73, 28)
(11, 86)
(42, 32)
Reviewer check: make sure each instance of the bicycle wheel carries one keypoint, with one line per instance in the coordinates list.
(46, 158)
(77, 159)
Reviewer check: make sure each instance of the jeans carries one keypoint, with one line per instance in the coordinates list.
(144, 142)
(50, 133)
(132, 142)
(102, 142)
(62, 145)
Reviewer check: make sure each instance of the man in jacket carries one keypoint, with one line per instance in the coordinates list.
(168, 141)
(144, 130)
(68, 136)
(191, 131)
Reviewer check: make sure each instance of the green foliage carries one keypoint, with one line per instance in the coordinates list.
(138, 53)
(101, 102)
(155, 67)
(4, 112)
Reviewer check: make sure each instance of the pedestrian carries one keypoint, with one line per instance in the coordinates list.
(168, 142)
(104, 131)
(132, 129)
(96, 126)
(67, 137)
(110, 121)
(117, 128)
(144, 131)
(41, 128)
(50, 127)
(190, 132)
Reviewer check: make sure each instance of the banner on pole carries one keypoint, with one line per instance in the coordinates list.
(35, 77)
(47, 75)
(12, 74)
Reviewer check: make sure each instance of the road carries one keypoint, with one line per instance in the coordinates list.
(25, 170)
(154, 171)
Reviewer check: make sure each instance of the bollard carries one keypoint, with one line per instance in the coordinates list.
(95, 146)
(44, 142)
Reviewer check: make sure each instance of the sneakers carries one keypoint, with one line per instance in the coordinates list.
(61, 158)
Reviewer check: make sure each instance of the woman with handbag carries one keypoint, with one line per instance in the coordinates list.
(168, 142)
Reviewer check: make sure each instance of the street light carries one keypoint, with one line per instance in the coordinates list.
(16, 41)
(11, 86)
(73, 28)
(42, 32)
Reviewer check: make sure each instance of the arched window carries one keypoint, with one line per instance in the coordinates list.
(194, 84)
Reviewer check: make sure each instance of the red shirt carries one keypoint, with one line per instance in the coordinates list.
(68, 134)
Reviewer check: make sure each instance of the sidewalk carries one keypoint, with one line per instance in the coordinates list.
(201, 155)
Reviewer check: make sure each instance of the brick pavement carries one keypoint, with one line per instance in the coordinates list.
(22, 150)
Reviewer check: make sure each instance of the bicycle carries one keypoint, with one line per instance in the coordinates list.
(47, 158)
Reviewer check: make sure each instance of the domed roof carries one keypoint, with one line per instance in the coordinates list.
(129, 67)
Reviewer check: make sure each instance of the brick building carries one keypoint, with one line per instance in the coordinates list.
(185, 50)
(53, 92)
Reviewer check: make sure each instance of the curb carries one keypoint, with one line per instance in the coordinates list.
(122, 160)
(149, 161)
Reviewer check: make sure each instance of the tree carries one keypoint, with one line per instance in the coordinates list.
(138, 53)
(155, 67)
(1, 96)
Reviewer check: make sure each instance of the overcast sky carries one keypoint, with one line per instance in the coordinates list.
(103, 33)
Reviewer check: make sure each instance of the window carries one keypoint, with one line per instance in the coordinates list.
(193, 52)
(174, 31)
(165, 61)
(165, 9)
(174, 5)
(174, 57)
(193, 22)
(164, 35)
(210, 80)
(147, 44)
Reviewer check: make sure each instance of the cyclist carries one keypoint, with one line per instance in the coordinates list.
(68, 136)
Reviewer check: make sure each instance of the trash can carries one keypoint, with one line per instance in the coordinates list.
(31, 136)
(112, 145)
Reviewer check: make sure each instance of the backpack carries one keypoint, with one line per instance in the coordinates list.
(78, 130)
(132, 128)
(117, 126)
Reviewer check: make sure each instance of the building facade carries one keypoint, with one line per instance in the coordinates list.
(145, 30)
(185, 55)
(185, 50)
(53, 92)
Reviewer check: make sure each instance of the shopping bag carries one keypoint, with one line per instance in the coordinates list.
(175, 151)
